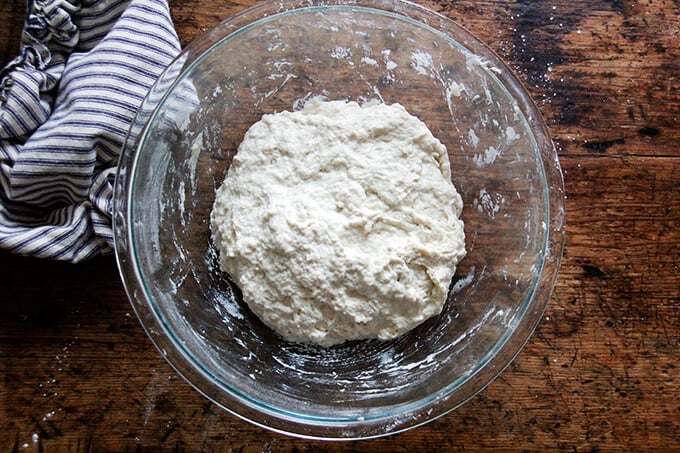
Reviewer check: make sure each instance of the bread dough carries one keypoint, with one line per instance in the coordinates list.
(340, 222)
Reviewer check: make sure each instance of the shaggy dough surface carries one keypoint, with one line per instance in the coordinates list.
(340, 222)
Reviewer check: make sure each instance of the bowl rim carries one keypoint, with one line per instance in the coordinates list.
(411, 414)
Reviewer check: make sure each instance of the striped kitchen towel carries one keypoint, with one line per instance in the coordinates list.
(66, 103)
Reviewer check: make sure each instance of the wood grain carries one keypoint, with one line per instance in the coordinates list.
(600, 373)
(12, 13)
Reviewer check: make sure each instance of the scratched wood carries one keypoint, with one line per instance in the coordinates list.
(602, 370)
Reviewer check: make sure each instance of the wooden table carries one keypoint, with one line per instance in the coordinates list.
(602, 372)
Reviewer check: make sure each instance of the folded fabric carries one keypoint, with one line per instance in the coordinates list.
(66, 104)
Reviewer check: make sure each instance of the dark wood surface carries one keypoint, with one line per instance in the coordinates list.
(601, 373)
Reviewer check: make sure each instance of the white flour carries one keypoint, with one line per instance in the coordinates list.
(340, 222)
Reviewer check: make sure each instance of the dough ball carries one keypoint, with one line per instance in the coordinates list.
(340, 222)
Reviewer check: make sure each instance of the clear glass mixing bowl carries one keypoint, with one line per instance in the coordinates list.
(276, 56)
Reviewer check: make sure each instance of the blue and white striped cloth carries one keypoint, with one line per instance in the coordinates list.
(66, 103)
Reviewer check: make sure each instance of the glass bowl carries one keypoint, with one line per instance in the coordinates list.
(276, 56)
